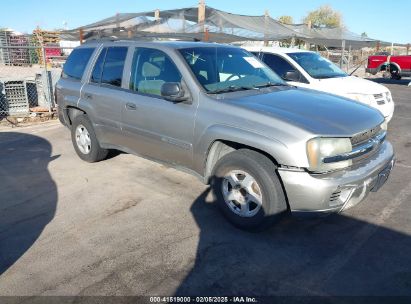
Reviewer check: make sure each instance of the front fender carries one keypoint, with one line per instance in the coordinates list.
(278, 150)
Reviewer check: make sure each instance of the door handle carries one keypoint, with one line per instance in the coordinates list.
(88, 96)
(131, 106)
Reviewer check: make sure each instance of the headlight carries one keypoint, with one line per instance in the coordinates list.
(363, 98)
(321, 147)
(384, 125)
(388, 96)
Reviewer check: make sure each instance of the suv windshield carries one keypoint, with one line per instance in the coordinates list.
(316, 66)
(226, 69)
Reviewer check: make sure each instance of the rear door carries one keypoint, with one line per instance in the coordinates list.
(103, 94)
(69, 86)
(154, 126)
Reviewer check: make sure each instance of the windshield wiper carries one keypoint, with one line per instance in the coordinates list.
(270, 84)
(231, 89)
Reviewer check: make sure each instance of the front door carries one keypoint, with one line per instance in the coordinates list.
(156, 127)
(281, 66)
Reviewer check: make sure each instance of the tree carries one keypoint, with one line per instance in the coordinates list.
(286, 19)
(324, 16)
(364, 35)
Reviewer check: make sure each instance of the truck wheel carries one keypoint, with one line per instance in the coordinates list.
(395, 75)
(247, 190)
(85, 141)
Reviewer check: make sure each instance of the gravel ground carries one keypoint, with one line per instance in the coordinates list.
(127, 226)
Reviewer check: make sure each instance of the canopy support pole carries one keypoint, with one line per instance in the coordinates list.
(266, 16)
(206, 34)
(117, 20)
(201, 14)
(81, 36)
(292, 41)
(342, 53)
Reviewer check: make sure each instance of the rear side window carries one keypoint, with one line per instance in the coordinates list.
(113, 66)
(76, 63)
(98, 67)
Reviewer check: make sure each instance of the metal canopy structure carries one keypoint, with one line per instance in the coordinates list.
(333, 37)
(248, 27)
(206, 23)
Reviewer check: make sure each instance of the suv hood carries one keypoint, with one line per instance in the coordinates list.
(316, 112)
(348, 85)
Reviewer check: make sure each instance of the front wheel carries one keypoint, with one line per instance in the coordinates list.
(247, 190)
(85, 141)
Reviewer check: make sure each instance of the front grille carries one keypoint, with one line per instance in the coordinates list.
(364, 136)
(388, 96)
(334, 198)
(376, 138)
(379, 98)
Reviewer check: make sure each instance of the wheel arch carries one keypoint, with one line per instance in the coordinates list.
(73, 112)
(218, 140)
(221, 147)
(383, 66)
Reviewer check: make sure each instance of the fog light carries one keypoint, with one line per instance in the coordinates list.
(340, 196)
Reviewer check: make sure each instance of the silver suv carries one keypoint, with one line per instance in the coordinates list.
(218, 112)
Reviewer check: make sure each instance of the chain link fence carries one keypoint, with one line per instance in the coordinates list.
(28, 75)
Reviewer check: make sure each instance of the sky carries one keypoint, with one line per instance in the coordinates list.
(384, 20)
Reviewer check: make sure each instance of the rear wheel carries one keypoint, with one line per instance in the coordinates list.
(247, 190)
(395, 75)
(85, 141)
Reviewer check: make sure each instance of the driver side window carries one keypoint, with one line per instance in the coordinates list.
(152, 68)
(279, 65)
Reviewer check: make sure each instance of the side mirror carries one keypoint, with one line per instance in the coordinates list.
(173, 91)
(292, 76)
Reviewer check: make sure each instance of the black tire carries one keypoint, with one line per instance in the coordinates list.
(96, 153)
(395, 75)
(263, 170)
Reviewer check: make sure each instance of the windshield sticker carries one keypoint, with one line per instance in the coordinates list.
(254, 62)
(192, 57)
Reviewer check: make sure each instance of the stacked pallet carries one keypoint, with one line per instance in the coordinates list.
(49, 39)
(4, 41)
(19, 57)
(14, 56)
(13, 97)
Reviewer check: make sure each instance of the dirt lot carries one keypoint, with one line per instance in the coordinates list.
(127, 226)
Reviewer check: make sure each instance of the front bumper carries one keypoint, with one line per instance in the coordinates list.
(372, 71)
(339, 190)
